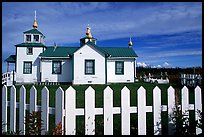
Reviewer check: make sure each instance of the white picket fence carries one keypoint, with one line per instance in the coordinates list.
(65, 109)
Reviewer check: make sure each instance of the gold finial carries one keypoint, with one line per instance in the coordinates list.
(130, 43)
(35, 25)
(88, 32)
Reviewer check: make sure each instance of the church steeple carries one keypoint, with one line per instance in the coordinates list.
(35, 25)
(88, 32)
(130, 43)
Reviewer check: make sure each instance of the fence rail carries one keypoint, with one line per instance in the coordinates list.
(65, 109)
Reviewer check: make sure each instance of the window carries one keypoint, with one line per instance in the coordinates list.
(36, 38)
(29, 51)
(119, 67)
(28, 38)
(27, 67)
(56, 67)
(89, 67)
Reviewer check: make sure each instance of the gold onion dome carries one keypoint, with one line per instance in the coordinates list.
(35, 25)
(130, 43)
(88, 32)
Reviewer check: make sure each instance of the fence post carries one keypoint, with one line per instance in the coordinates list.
(13, 109)
(89, 111)
(157, 110)
(22, 108)
(4, 108)
(141, 95)
(33, 99)
(125, 111)
(171, 107)
(108, 111)
(45, 109)
(70, 106)
(198, 106)
(59, 107)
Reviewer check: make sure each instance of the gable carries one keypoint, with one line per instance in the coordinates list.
(89, 48)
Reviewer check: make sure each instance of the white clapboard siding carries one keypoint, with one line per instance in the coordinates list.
(13, 109)
(171, 107)
(185, 101)
(108, 111)
(141, 103)
(4, 108)
(59, 107)
(89, 111)
(157, 110)
(33, 99)
(125, 111)
(22, 109)
(70, 116)
(45, 109)
(198, 106)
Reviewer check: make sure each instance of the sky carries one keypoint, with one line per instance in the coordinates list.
(164, 34)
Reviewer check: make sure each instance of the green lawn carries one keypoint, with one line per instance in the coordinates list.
(99, 103)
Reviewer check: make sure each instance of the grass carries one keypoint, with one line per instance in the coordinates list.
(80, 101)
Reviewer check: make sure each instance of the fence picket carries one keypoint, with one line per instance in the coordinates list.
(33, 99)
(141, 105)
(13, 109)
(125, 111)
(45, 109)
(185, 101)
(171, 107)
(22, 108)
(108, 111)
(89, 111)
(198, 106)
(4, 108)
(157, 110)
(70, 106)
(59, 107)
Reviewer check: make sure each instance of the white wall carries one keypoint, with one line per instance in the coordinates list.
(65, 76)
(21, 57)
(128, 71)
(87, 52)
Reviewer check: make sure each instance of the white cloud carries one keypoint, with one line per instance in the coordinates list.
(165, 64)
(142, 64)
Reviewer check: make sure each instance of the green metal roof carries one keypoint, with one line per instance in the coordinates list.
(66, 51)
(30, 45)
(119, 51)
(58, 52)
(11, 59)
(33, 31)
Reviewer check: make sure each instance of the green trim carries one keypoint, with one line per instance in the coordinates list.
(30, 62)
(53, 67)
(85, 67)
(119, 73)
(30, 44)
(33, 31)
(134, 69)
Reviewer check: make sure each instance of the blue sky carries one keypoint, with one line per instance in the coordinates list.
(164, 34)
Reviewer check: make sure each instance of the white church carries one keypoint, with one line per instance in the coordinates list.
(86, 64)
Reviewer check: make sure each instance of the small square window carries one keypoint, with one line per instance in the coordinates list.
(36, 38)
(29, 51)
(28, 38)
